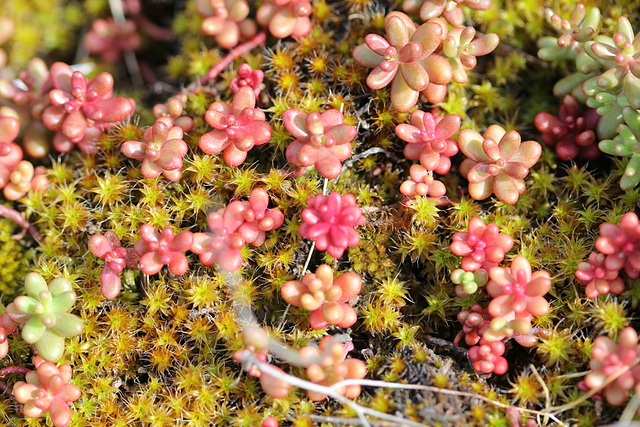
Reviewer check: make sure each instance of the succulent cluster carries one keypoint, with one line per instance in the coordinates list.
(227, 180)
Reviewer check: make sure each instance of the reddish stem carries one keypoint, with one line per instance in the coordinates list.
(236, 52)
(154, 31)
(14, 370)
(16, 217)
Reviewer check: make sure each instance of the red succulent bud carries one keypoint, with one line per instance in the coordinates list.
(483, 246)
(165, 248)
(599, 280)
(247, 77)
(621, 245)
(329, 220)
(422, 183)
(487, 357)
(116, 258)
(285, 17)
(227, 21)
(110, 39)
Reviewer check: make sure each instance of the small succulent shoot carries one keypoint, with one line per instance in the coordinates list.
(487, 357)
(517, 291)
(598, 279)
(580, 28)
(47, 389)
(43, 314)
(626, 144)
(325, 296)
(333, 367)
(248, 77)
(618, 56)
(161, 151)
(468, 282)
(407, 60)
(226, 21)
(497, 162)
(25, 178)
(572, 134)
(10, 152)
(231, 227)
(157, 249)
(110, 39)
(237, 127)
(322, 140)
(172, 113)
(482, 246)
(422, 183)
(429, 139)
(31, 90)
(609, 358)
(116, 258)
(474, 321)
(285, 18)
(448, 9)
(621, 245)
(330, 221)
(78, 104)
(461, 47)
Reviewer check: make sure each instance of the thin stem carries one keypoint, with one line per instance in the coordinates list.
(14, 370)
(26, 226)
(236, 52)
(117, 11)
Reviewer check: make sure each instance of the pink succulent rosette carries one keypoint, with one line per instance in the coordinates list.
(78, 105)
(285, 18)
(518, 292)
(325, 296)
(248, 77)
(227, 21)
(487, 357)
(110, 40)
(330, 221)
(474, 322)
(422, 183)
(448, 9)
(47, 389)
(621, 245)
(322, 140)
(10, 152)
(406, 59)
(430, 139)
(572, 133)
(610, 358)
(157, 249)
(231, 227)
(116, 258)
(237, 127)
(482, 246)
(161, 152)
(25, 178)
(497, 162)
(598, 279)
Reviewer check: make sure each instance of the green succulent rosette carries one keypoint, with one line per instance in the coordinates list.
(43, 314)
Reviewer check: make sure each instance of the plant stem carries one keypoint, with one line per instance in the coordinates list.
(14, 370)
(16, 217)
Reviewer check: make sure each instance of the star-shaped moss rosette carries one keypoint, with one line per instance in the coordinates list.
(322, 140)
(497, 162)
(237, 127)
(43, 314)
(626, 144)
(47, 389)
(406, 59)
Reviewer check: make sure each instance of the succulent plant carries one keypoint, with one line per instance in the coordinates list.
(43, 314)
(25, 178)
(116, 258)
(621, 245)
(497, 162)
(10, 152)
(474, 321)
(468, 282)
(461, 47)
(487, 357)
(325, 296)
(163, 248)
(626, 144)
(581, 27)
(285, 18)
(322, 140)
(330, 221)
(161, 152)
(173, 114)
(430, 139)
(422, 183)
(572, 134)
(599, 280)
(227, 21)
(482, 246)
(249, 77)
(47, 389)
(407, 60)
(237, 127)
(78, 104)
(110, 39)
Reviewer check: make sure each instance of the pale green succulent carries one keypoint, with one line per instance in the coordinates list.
(626, 144)
(43, 314)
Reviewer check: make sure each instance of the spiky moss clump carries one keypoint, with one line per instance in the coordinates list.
(13, 261)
